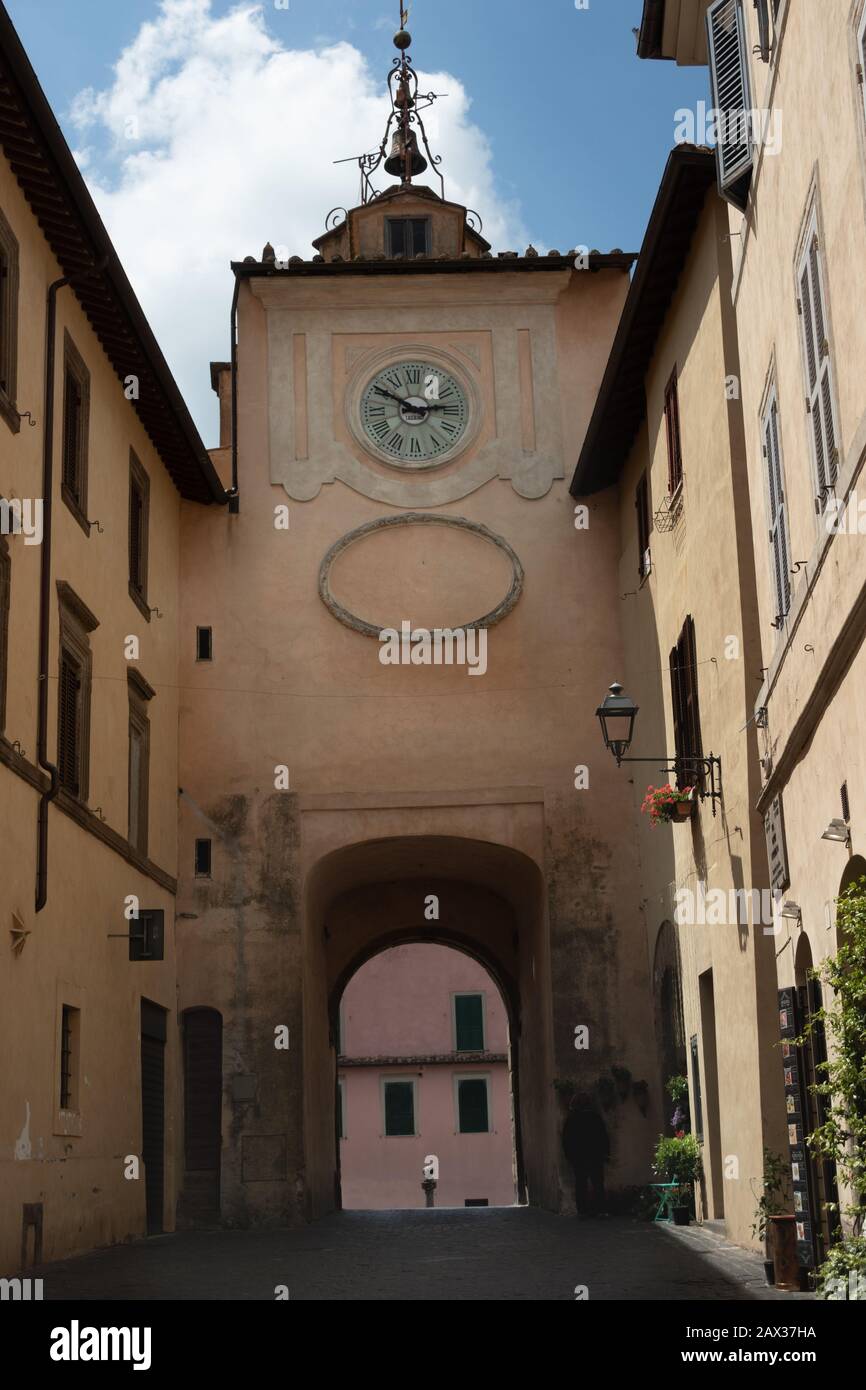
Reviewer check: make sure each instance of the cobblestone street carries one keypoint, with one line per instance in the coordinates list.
(451, 1254)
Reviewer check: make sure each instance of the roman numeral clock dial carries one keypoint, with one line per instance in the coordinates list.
(414, 414)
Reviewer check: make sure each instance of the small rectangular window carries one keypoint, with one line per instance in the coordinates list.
(76, 423)
(399, 1107)
(147, 934)
(204, 644)
(672, 431)
(139, 508)
(202, 858)
(469, 1022)
(476, 1202)
(69, 1051)
(408, 236)
(642, 508)
(472, 1106)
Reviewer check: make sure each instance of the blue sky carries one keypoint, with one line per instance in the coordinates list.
(556, 131)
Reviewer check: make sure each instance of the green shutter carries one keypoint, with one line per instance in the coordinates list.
(469, 1021)
(472, 1106)
(399, 1107)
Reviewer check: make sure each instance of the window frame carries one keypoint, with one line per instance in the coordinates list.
(9, 255)
(468, 994)
(199, 630)
(384, 1083)
(811, 263)
(69, 1079)
(404, 221)
(74, 367)
(196, 873)
(76, 624)
(139, 483)
(457, 1081)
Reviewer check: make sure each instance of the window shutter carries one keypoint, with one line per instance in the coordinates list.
(820, 394)
(729, 79)
(672, 426)
(136, 516)
(4, 345)
(469, 1022)
(71, 434)
(135, 769)
(777, 510)
(399, 1107)
(68, 724)
(472, 1106)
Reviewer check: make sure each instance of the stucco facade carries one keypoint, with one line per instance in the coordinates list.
(70, 996)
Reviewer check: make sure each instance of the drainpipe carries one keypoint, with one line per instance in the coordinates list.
(45, 582)
(233, 494)
(45, 602)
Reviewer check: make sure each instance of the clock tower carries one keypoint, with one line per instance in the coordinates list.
(399, 417)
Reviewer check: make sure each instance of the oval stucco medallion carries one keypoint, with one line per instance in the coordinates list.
(386, 523)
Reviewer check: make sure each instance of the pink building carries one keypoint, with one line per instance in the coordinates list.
(423, 1070)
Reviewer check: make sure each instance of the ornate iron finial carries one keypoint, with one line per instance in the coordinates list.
(404, 160)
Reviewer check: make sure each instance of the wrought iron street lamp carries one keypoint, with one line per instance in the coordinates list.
(617, 714)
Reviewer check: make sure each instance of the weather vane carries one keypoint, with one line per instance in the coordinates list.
(404, 160)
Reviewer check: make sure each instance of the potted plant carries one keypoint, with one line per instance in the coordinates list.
(772, 1202)
(678, 1160)
(677, 1088)
(667, 803)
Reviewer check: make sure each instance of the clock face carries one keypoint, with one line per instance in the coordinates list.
(414, 414)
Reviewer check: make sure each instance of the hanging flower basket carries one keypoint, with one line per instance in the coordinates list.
(667, 803)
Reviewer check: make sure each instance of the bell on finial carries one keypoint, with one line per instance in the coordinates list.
(396, 162)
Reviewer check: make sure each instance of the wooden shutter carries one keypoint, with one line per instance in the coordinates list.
(777, 509)
(672, 426)
(72, 435)
(473, 1116)
(820, 391)
(399, 1107)
(69, 724)
(136, 521)
(641, 502)
(729, 81)
(135, 771)
(469, 1022)
(861, 53)
(686, 711)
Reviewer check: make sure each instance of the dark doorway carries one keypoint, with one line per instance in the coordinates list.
(153, 1035)
(821, 1185)
(712, 1118)
(203, 1083)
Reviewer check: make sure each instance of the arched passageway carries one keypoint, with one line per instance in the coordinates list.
(423, 1083)
(477, 897)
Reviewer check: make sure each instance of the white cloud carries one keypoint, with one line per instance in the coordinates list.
(214, 138)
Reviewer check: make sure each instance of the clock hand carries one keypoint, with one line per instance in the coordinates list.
(401, 400)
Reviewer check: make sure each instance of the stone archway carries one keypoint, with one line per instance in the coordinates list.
(367, 896)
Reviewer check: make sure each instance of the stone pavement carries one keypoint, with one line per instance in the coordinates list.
(504, 1253)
